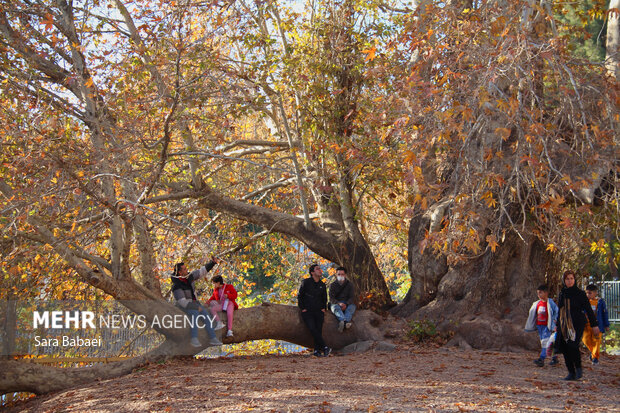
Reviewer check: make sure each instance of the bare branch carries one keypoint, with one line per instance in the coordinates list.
(228, 146)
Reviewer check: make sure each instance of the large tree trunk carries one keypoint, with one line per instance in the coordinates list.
(484, 300)
(268, 321)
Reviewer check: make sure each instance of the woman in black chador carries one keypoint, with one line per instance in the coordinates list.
(573, 307)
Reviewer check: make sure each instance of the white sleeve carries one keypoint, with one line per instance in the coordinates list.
(199, 273)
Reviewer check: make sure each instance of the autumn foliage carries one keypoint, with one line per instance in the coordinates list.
(140, 133)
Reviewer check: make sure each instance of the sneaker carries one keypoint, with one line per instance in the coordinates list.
(348, 325)
(215, 342)
(219, 326)
(539, 362)
(194, 342)
(554, 361)
(570, 377)
(340, 326)
(595, 361)
(229, 333)
(317, 353)
(327, 351)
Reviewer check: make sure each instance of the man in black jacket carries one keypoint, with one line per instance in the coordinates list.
(312, 300)
(342, 299)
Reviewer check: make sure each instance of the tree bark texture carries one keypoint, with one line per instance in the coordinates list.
(268, 321)
(484, 300)
(612, 58)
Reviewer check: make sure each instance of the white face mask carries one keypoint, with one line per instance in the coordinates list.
(340, 279)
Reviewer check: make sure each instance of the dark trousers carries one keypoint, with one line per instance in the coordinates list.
(570, 349)
(314, 322)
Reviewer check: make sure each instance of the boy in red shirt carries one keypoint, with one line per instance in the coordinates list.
(542, 316)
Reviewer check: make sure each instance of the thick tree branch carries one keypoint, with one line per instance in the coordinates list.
(612, 46)
(56, 73)
(317, 239)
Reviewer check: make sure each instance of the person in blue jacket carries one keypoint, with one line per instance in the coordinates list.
(542, 316)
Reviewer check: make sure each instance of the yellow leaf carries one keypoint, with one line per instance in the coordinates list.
(593, 247)
(551, 248)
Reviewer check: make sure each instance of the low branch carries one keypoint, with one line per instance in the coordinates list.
(316, 238)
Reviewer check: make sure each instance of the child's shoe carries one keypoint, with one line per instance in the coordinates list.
(195, 342)
(219, 326)
(554, 361)
(327, 351)
(539, 362)
(595, 361)
(229, 333)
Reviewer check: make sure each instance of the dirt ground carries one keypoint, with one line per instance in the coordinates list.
(410, 379)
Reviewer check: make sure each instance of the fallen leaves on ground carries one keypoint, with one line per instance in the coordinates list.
(407, 380)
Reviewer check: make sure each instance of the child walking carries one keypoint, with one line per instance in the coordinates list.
(592, 342)
(542, 316)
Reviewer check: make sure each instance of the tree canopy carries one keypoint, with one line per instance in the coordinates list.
(139, 133)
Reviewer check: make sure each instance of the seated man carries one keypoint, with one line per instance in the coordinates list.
(342, 299)
(185, 295)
